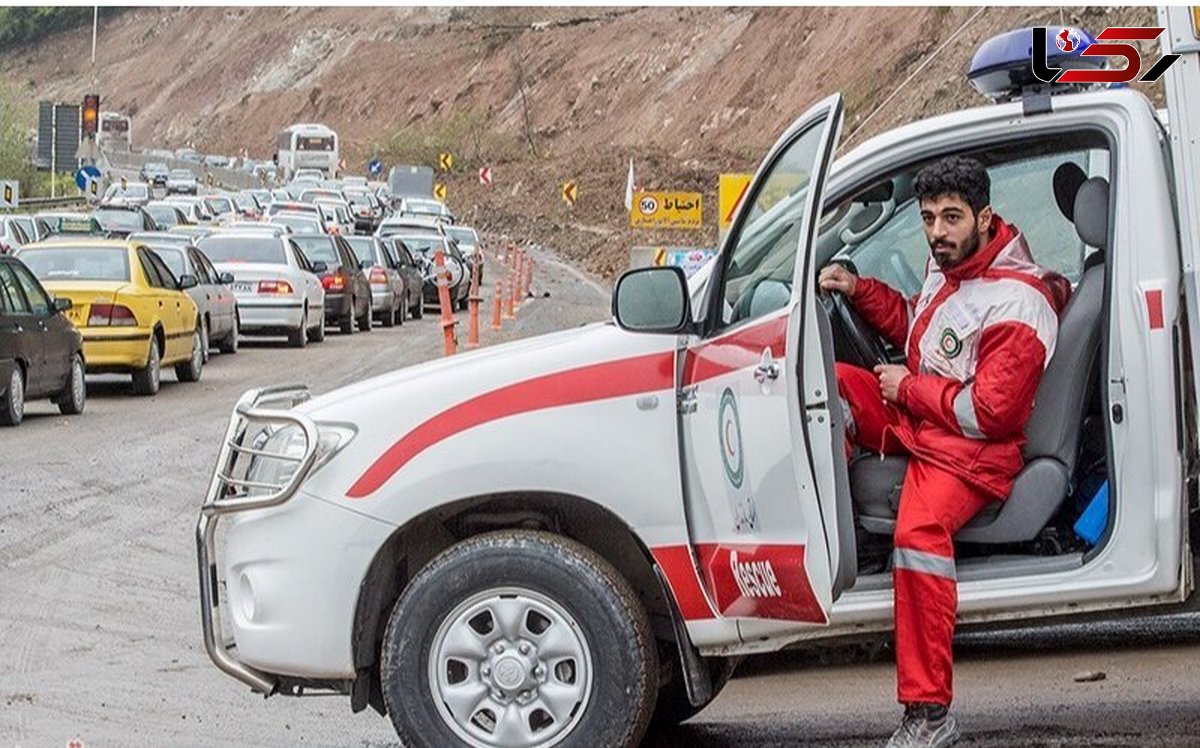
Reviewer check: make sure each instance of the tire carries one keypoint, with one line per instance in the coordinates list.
(673, 706)
(298, 338)
(418, 311)
(71, 401)
(346, 324)
(205, 343)
(190, 370)
(12, 407)
(366, 320)
(317, 334)
(604, 670)
(232, 340)
(387, 318)
(147, 380)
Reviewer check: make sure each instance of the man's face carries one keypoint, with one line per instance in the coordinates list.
(953, 230)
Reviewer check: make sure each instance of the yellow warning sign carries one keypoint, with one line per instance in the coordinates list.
(439, 191)
(446, 161)
(660, 257)
(570, 193)
(9, 195)
(667, 210)
(731, 191)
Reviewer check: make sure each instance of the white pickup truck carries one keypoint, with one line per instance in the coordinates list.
(584, 530)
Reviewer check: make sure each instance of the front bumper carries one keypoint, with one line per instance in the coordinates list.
(292, 563)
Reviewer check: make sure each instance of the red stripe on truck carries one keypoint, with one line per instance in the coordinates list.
(620, 378)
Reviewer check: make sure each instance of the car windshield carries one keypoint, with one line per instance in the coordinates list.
(462, 235)
(163, 215)
(298, 224)
(423, 207)
(173, 256)
(243, 249)
(64, 262)
(155, 238)
(119, 220)
(218, 205)
(132, 190)
(363, 246)
(422, 244)
(319, 248)
(245, 202)
(180, 174)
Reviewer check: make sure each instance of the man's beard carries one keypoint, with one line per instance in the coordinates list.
(970, 245)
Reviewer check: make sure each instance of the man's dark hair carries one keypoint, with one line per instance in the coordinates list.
(956, 175)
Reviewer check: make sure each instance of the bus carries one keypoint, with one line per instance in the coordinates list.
(307, 146)
(115, 132)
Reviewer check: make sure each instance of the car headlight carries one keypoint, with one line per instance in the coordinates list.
(289, 443)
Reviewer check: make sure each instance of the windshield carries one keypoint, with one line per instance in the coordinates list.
(363, 246)
(219, 205)
(245, 202)
(423, 207)
(163, 215)
(132, 190)
(78, 263)
(421, 244)
(180, 174)
(243, 249)
(298, 224)
(119, 220)
(319, 248)
(464, 237)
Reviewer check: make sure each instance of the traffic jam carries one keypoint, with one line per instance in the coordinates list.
(929, 389)
(163, 273)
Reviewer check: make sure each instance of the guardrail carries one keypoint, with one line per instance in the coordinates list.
(232, 179)
(46, 203)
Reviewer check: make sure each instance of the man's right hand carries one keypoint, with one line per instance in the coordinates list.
(835, 277)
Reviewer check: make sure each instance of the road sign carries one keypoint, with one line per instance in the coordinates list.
(10, 194)
(446, 161)
(85, 176)
(485, 176)
(731, 190)
(667, 210)
(570, 192)
(375, 167)
(439, 191)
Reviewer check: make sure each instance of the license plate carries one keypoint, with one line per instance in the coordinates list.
(243, 288)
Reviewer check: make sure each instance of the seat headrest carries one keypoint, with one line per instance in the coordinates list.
(1091, 213)
(1068, 178)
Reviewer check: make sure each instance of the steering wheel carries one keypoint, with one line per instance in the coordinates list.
(862, 338)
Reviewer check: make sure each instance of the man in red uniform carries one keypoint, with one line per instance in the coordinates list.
(977, 338)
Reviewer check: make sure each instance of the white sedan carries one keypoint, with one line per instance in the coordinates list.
(275, 285)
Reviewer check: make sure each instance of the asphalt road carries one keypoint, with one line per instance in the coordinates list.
(100, 638)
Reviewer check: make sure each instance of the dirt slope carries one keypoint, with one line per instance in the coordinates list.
(542, 95)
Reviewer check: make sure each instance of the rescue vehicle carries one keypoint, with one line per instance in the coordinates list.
(558, 540)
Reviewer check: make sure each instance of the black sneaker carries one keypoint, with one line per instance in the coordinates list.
(927, 726)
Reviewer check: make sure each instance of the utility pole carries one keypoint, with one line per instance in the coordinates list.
(95, 18)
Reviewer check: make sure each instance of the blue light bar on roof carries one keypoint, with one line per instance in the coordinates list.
(1002, 68)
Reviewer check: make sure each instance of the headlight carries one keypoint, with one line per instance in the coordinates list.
(289, 443)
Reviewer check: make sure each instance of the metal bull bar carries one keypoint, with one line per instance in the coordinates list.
(228, 494)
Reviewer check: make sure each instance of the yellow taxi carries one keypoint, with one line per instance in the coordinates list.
(131, 310)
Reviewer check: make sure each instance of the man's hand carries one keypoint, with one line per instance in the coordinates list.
(890, 377)
(835, 277)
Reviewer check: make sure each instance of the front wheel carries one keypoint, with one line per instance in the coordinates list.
(232, 341)
(519, 638)
(12, 407)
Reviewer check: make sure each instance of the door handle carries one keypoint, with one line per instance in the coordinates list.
(767, 369)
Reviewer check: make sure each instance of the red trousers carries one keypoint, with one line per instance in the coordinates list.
(934, 505)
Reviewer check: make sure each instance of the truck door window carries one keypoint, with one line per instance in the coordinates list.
(1022, 194)
(761, 264)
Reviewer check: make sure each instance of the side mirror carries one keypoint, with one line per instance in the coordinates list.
(225, 278)
(187, 281)
(653, 299)
(319, 267)
(61, 305)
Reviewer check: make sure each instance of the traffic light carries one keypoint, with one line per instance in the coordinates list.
(91, 114)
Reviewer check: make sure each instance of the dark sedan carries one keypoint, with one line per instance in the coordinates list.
(41, 352)
(347, 290)
(121, 221)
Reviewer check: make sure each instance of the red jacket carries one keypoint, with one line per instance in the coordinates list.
(977, 337)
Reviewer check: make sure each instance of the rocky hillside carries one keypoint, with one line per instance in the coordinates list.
(542, 95)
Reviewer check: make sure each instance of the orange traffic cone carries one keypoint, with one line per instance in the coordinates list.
(450, 346)
(496, 301)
